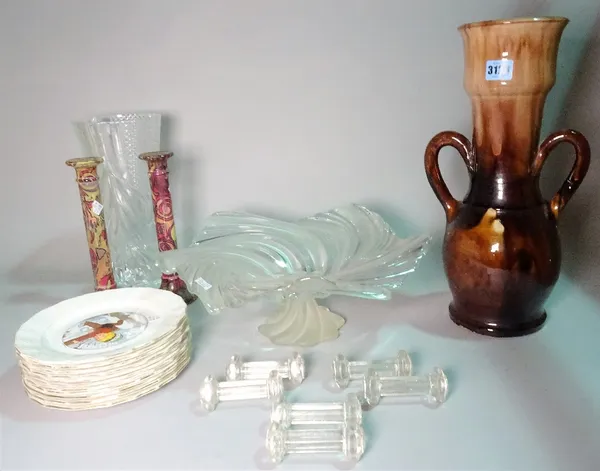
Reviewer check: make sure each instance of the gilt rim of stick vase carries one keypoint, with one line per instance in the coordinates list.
(84, 161)
(156, 155)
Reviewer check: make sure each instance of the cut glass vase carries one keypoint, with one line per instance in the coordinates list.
(119, 139)
(350, 251)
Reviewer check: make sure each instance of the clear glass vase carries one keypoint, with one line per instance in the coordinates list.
(119, 139)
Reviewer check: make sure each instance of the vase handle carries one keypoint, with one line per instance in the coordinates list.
(578, 171)
(432, 168)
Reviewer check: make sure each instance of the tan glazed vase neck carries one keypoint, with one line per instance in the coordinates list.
(510, 66)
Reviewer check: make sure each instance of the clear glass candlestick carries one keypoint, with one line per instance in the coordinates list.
(348, 412)
(345, 371)
(347, 441)
(291, 368)
(212, 391)
(432, 387)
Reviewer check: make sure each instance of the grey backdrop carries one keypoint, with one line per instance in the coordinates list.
(284, 107)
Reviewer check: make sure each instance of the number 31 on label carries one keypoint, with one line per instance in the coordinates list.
(499, 70)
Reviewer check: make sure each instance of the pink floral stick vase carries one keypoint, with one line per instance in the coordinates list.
(93, 217)
(163, 218)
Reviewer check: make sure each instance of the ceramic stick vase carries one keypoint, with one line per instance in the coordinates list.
(164, 220)
(93, 218)
(502, 252)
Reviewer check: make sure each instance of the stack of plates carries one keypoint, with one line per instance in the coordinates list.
(104, 348)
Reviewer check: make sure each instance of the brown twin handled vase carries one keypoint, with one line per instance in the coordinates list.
(501, 251)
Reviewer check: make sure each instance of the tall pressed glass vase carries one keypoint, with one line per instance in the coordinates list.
(119, 139)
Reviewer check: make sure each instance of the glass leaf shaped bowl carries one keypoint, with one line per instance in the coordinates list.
(243, 257)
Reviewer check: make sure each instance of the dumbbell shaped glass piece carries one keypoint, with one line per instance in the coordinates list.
(432, 387)
(292, 369)
(345, 371)
(212, 391)
(348, 440)
(288, 414)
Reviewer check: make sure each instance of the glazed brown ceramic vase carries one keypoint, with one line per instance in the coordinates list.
(501, 250)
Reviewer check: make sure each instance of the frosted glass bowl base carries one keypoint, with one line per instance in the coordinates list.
(302, 322)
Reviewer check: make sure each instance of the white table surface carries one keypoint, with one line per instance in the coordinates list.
(529, 403)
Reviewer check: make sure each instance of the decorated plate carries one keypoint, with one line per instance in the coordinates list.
(99, 326)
